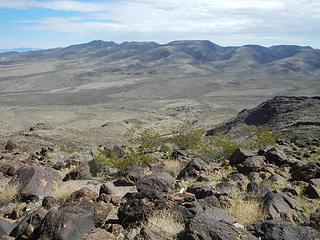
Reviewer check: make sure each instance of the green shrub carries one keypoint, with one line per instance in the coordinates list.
(131, 158)
(149, 140)
(188, 140)
(223, 146)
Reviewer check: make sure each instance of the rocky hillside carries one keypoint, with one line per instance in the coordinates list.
(166, 188)
(297, 117)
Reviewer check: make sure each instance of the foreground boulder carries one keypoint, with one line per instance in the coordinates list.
(135, 207)
(66, 223)
(5, 228)
(252, 164)
(279, 206)
(25, 228)
(276, 156)
(130, 176)
(82, 172)
(214, 225)
(161, 182)
(305, 172)
(239, 156)
(278, 230)
(193, 169)
(34, 182)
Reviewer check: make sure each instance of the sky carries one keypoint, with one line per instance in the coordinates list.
(55, 23)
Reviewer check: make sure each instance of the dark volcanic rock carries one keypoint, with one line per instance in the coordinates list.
(252, 164)
(278, 230)
(49, 202)
(35, 182)
(315, 219)
(305, 172)
(25, 228)
(193, 169)
(276, 156)
(161, 182)
(239, 156)
(256, 190)
(130, 176)
(149, 234)
(201, 228)
(5, 228)
(66, 223)
(10, 145)
(279, 206)
(135, 207)
(312, 191)
(184, 205)
(80, 173)
(98, 234)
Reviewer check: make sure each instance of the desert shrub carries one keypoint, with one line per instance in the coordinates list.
(8, 194)
(245, 211)
(131, 158)
(172, 167)
(223, 145)
(149, 140)
(190, 140)
(165, 222)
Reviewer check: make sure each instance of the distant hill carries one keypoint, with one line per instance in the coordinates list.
(18, 50)
(296, 116)
(94, 72)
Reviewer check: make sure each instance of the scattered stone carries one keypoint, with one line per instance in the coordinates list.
(8, 169)
(256, 190)
(150, 234)
(82, 172)
(193, 169)
(10, 146)
(315, 220)
(276, 156)
(251, 164)
(184, 205)
(25, 228)
(49, 202)
(84, 194)
(65, 223)
(35, 182)
(130, 177)
(59, 165)
(305, 172)
(226, 188)
(118, 150)
(239, 156)
(5, 228)
(161, 182)
(312, 191)
(279, 206)
(135, 207)
(201, 228)
(279, 230)
(98, 234)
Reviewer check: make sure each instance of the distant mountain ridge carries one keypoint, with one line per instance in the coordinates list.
(18, 50)
(147, 70)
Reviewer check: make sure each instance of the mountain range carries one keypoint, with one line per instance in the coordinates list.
(189, 77)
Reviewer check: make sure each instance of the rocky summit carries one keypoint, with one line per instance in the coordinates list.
(254, 177)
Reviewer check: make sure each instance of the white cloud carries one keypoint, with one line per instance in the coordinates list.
(214, 19)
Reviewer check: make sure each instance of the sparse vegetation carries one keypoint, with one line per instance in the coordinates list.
(62, 191)
(131, 158)
(246, 211)
(165, 222)
(172, 166)
(8, 194)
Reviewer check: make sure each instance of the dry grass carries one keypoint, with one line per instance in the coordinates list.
(245, 211)
(8, 194)
(62, 191)
(173, 167)
(166, 222)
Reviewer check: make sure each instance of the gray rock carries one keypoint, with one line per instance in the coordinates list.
(161, 182)
(239, 156)
(279, 230)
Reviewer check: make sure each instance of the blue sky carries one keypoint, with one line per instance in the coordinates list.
(53, 23)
